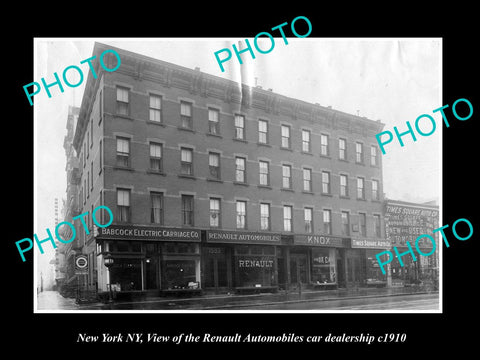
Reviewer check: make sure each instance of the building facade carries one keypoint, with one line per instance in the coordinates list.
(218, 186)
(405, 222)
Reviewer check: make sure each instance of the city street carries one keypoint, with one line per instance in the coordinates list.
(365, 299)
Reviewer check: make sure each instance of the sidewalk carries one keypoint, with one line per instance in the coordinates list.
(226, 301)
(52, 300)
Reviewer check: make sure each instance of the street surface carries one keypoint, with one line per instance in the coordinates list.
(51, 300)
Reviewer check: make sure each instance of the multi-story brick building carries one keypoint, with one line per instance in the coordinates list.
(216, 185)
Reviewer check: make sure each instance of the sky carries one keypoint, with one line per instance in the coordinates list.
(393, 80)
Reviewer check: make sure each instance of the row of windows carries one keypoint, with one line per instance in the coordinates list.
(215, 214)
(186, 168)
(155, 115)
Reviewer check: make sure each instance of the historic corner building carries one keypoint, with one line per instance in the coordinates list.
(218, 186)
(405, 222)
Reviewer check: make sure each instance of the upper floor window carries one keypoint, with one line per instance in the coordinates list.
(122, 100)
(262, 131)
(155, 108)
(240, 127)
(213, 121)
(285, 136)
(186, 115)
(123, 151)
(306, 141)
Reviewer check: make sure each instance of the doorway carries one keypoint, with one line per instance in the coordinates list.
(298, 269)
(216, 269)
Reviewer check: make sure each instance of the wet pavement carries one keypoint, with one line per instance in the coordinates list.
(341, 299)
(52, 300)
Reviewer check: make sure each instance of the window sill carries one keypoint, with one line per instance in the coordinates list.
(159, 123)
(157, 172)
(241, 140)
(215, 180)
(264, 144)
(214, 135)
(118, 167)
(344, 197)
(344, 160)
(327, 194)
(185, 129)
(287, 189)
(308, 192)
(187, 176)
(265, 187)
(325, 156)
(126, 117)
(286, 148)
(240, 183)
(307, 152)
(359, 163)
(361, 199)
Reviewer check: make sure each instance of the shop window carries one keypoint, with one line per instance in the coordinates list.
(126, 274)
(323, 266)
(180, 274)
(374, 273)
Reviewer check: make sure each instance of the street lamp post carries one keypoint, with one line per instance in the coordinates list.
(108, 261)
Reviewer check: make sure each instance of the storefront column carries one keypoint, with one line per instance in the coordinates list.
(287, 267)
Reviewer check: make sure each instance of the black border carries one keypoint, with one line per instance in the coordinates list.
(426, 333)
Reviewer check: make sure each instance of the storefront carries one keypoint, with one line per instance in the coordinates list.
(148, 259)
(316, 261)
(240, 260)
(362, 268)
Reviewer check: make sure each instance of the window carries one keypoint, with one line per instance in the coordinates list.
(307, 180)
(100, 106)
(343, 185)
(373, 156)
(325, 182)
(240, 169)
(214, 212)
(155, 108)
(241, 214)
(262, 131)
(359, 152)
(327, 221)
(324, 145)
(100, 156)
(263, 170)
(123, 205)
(360, 188)
(287, 218)
(123, 151)
(214, 165)
(286, 176)
(213, 121)
(285, 136)
(264, 216)
(240, 127)
(91, 132)
(186, 161)
(377, 225)
(186, 115)
(305, 140)
(375, 190)
(308, 217)
(187, 210)
(122, 101)
(156, 151)
(86, 144)
(91, 175)
(156, 214)
(88, 184)
(342, 149)
(345, 223)
(362, 219)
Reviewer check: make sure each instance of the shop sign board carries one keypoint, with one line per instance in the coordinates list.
(319, 240)
(371, 243)
(242, 237)
(148, 233)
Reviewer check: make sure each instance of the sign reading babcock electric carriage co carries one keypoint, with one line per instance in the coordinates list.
(148, 233)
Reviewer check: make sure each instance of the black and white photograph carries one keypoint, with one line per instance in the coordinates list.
(227, 182)
(178, 183)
